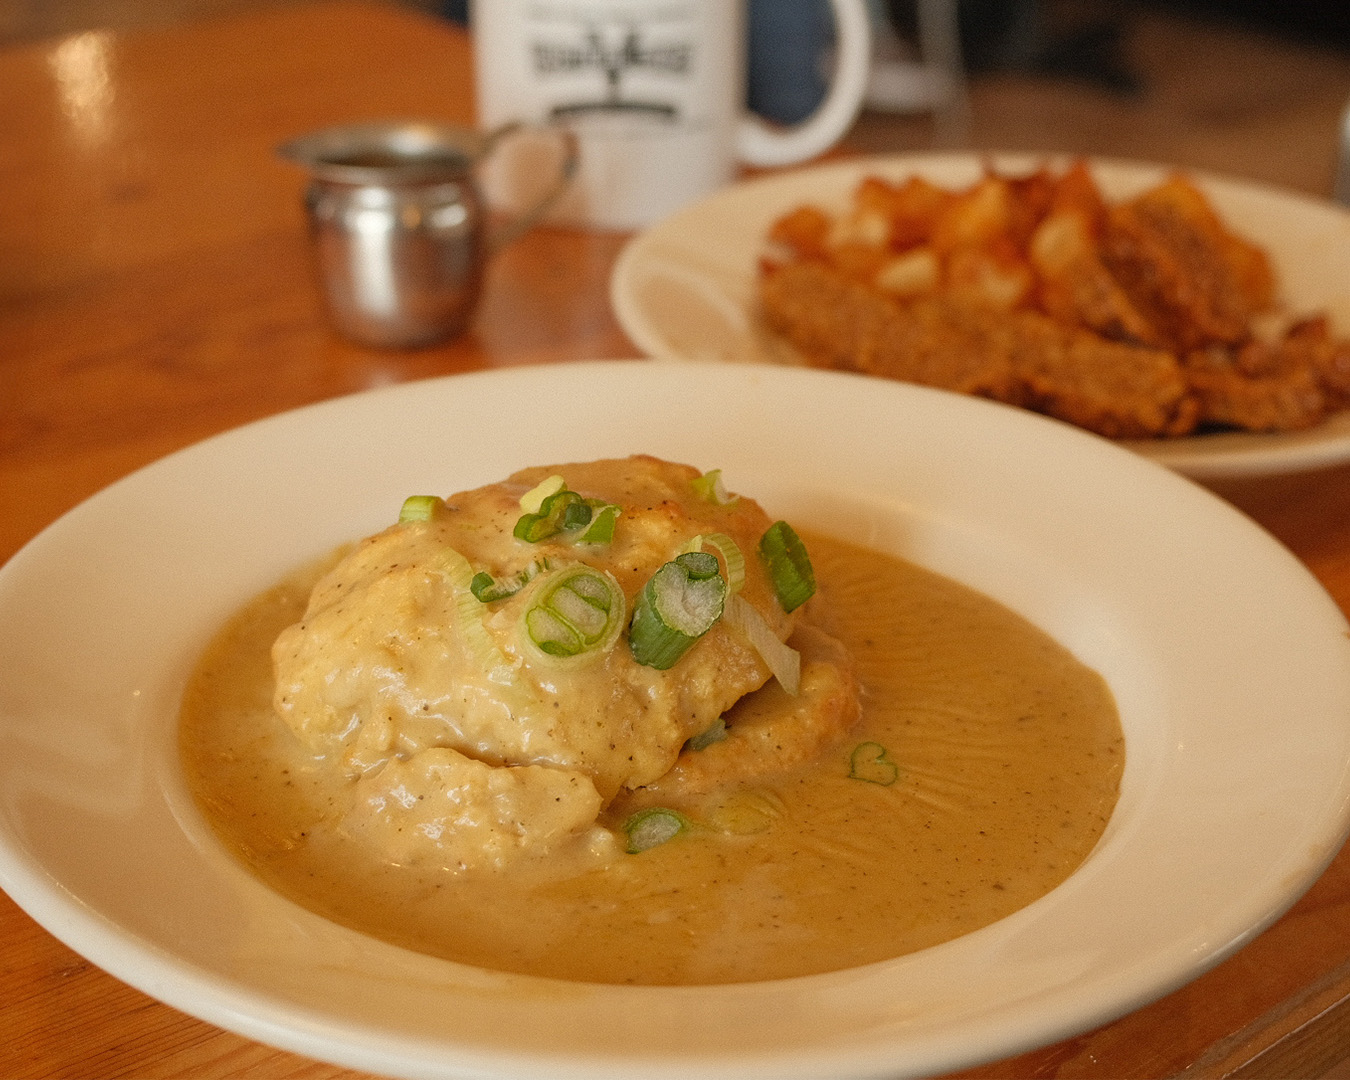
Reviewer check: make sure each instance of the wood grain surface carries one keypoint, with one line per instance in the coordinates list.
(155, 289)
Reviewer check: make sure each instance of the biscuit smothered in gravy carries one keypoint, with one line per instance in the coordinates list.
(586, 724)
(494, 669)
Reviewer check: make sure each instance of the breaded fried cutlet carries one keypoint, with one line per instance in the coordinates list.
(1256, 387)
(837, 322)
(1114, 388)
(1196, 282)
(1021, 357)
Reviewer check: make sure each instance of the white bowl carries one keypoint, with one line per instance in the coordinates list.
(1229, 663)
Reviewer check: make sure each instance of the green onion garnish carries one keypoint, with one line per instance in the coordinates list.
(652, 827)
(564, 513)
(714, 733)
(869, 762)
(601, 529)
(709, 488)
(731, 555)
(420, 507)
(576, 612)
(788, 564)
(534, 498)
(677, 606)
(469, 616)
(489, 589)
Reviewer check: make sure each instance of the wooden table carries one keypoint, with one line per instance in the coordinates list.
(155, 289)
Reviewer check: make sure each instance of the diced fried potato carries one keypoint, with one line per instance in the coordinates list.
(1076, 191)
(861, 262)
(915, 210)
(995, 275)
(803, 230)
(912, 274)
(876, 197)
(864, 228)
(1030, 200)
(976, 217)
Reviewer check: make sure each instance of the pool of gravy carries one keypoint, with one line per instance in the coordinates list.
(983, 772)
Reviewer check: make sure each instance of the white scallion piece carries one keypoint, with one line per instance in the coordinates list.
(731, 555)
(533, 499)
(784, 661)
(469, 616)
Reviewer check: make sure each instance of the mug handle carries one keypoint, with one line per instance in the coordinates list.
(510, 231)
(757, 143)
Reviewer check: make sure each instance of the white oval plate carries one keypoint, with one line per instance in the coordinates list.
(685, 288)
(1229, 663)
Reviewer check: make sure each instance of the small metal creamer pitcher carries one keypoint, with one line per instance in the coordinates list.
(400, 230)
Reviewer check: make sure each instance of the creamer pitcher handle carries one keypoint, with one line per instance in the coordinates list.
(512, 230)
(757, 143)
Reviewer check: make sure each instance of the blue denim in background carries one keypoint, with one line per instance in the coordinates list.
(787, 42)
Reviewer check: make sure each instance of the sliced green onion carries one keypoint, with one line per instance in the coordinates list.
(709, 488)
(731, 555)
(784, 661)
(677, 606)
(469, 617)
(485, 589)
(534, 498)
(420, 507)
(489, 589)
(788, 564)
(552, 509)
(652, 827)
(714, 733)
(869, 762)
(563, 511)
(576, 612)
(601, 529)
(576, 512)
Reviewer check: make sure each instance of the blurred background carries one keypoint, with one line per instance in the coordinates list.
(1199, 83)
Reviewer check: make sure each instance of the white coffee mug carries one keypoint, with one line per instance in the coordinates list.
(654, 91)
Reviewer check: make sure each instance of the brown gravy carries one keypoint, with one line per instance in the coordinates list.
(985, 769)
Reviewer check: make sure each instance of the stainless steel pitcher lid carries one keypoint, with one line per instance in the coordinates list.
(388, 152)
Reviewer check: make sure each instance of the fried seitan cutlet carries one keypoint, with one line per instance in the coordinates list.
(1018, 357)
(1199, 283)
(1133, 320)
(1256, 386)
(841, 323)
(1117, 389)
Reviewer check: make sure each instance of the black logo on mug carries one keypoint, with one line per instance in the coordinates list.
(613, 55)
